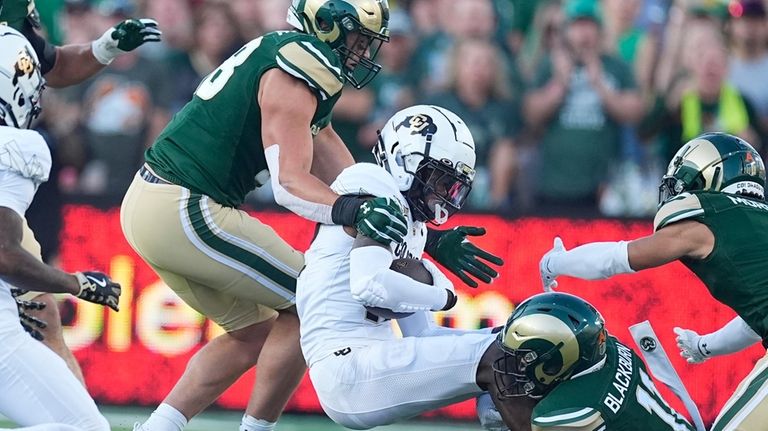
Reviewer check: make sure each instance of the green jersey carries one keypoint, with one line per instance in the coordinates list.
(736, 272)
(14, 13)
(617, 397)
(213, 146)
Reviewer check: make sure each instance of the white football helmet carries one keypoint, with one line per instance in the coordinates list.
(431, 154)
(21, 82)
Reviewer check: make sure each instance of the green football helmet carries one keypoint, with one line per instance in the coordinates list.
(549, 338)
(716, 162)
(332, 21)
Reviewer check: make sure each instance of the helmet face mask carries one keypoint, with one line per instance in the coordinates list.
(359, 67)
(548, 339)
(430, 153)
(21, 83)
(354, 29)
(716, 162)
(438, 191)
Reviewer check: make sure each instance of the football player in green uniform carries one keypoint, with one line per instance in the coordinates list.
(714, 219)
(63, 66)
(264, 115)
(71, 64)
(557, 350)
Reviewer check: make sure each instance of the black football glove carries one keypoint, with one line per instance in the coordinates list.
(98, 288)
(453, 250)
(30, 323)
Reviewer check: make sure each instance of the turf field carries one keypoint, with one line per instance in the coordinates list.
(122, 419)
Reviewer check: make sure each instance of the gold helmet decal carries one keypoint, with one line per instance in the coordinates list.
(25, 66)
(551, 329)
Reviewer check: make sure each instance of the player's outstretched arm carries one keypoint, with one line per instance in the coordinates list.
(76, 63)
(287, 109)
(735, 336)
(19, 268)
(452, 249)
(599, 260)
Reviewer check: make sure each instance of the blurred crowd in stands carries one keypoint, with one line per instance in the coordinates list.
(575, 105)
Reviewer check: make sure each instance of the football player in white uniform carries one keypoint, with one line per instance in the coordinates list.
(365, 376)
(36, 387)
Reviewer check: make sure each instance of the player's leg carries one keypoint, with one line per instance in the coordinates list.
(747, 409)
(53, 334)
(226, 265)
(389, 381)
(280, 368)
(36, 387)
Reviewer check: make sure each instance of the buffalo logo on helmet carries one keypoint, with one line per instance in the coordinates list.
(648, 344)
(419, 125)
(25, 65)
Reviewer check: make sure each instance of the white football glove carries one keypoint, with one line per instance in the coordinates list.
(548, 277)
(440, 280)
(691, 347)
(490, 418)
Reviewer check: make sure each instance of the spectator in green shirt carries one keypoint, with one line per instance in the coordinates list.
(581, 96)
(479, 92)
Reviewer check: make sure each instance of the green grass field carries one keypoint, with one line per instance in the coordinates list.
(122, 419)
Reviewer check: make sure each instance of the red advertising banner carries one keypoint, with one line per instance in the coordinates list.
(135, 356)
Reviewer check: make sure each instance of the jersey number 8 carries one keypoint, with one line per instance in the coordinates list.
(216, 80)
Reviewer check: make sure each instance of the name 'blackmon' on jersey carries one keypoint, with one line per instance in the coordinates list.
(620, 396)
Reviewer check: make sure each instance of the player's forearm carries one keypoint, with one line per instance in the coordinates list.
(374, 284)
(300, 191)
(74, 64)
(731, 338)
(594, 261)
(24, 271)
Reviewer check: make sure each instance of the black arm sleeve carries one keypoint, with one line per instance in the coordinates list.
(45, 51)
(433, 236)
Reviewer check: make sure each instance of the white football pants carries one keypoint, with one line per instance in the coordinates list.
(37, 388)
(389, 381)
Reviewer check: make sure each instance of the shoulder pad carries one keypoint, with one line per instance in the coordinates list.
(365, 179)
(308, 60)
(25, 153)
(586, 419)
(681, 207)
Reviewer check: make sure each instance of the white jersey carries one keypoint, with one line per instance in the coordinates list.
(330, 317)
(25, 163)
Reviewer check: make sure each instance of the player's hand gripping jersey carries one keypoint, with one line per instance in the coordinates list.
(213, 146)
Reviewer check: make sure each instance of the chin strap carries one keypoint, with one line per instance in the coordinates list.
(441, 214)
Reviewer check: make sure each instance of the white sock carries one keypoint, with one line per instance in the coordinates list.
(250, 423)
(165, 418)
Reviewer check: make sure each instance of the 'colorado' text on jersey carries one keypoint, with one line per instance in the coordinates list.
(213, 146)
(736, 272)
